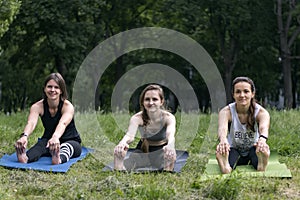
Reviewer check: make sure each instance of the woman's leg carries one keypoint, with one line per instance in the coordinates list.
(233, 158)
(263, 159)
(38, 150)
(223, 162)
(137, 159)
(253, 157)
(68, 149)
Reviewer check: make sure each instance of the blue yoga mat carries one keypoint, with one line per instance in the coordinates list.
(43, 164)
(181, 159)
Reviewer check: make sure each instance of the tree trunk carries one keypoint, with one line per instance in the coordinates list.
(285, 45)
(228, 80)
(120, 69)
(230, 57)
(60, 65)
(288, 95)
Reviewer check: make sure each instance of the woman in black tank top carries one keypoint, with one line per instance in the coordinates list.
(60, 139)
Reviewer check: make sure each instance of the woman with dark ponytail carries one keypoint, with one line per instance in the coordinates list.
(248, 122)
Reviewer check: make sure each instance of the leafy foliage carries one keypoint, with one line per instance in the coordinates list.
(55, 35)
(8, 10)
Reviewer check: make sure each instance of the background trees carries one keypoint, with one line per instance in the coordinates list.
(248, 38)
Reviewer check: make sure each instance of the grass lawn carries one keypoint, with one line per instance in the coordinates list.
(197, 135)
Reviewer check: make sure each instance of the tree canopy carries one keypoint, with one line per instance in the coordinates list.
(251, 38)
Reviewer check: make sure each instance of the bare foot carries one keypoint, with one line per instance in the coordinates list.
(21, 154)
(119, 163)
(55, 157)
(223, 163)
(169, 159)
(263, 158)
(169, 165)
(120, 152)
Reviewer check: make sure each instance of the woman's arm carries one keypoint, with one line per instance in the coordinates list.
(169, 149)
(35, 110)
(123, 145)
(134, 123)
(224, 119)
(67, 116)
(171, 129)
(263, 120)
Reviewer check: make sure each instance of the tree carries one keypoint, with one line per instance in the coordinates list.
(47, 36)
(8, 10)
(238, 35)
(288, 19)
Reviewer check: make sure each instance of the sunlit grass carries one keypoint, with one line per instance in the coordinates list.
(86, 180)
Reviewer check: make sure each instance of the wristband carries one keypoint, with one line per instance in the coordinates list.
(23, 134)
(262, 136)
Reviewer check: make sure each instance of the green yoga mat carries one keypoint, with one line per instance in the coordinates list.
(274, 169)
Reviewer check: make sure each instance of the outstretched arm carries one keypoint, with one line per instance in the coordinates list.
(263, 120)
(129, 136)
(169, 149)
(66, 118)
(32, 120)
(170, 131)
(224, 118)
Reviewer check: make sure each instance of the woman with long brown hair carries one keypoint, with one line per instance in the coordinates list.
(156, 148)
(248, 123)
(60, 138)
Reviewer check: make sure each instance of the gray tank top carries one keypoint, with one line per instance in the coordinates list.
(239, 137)
(154, 136)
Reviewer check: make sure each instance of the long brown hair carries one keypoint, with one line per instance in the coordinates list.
(251, 111)
(145, 116)
(57, 77)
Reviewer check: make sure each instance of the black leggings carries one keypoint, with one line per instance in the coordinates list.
(138, 159)
(68, 149)
(235, 158)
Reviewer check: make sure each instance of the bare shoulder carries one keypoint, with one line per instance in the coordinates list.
(263, 113)
(37, 107)
(38, 104)
(225, 113)
(68, 104)
(137, 118)
(169, 117)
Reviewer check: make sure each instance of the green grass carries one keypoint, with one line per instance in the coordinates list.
(85, 180)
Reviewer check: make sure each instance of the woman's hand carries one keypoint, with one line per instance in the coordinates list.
(121, 149)
(21, 145)
(223, 147)
(53, 144)
(169, 153)
(262, 146)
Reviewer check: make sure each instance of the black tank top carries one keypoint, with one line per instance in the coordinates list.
(50, 124)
